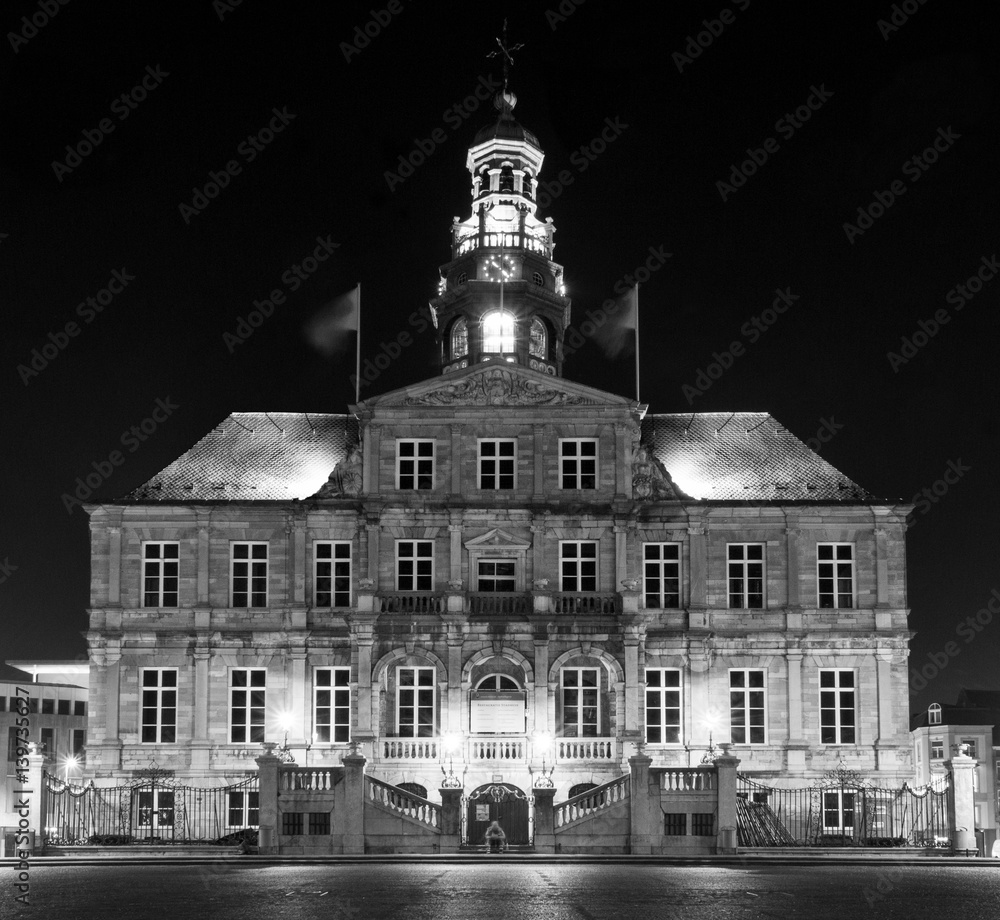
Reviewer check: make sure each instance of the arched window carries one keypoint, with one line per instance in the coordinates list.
(462, 278)
(414, 789)
(526, 185)
(498, 333)
(538, 279)
(484, 180)
(537, 345)
(498, 682)
(459, 339)
(506, 179)
(934, 714)
(580, 789)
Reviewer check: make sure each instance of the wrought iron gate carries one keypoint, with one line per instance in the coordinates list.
(500, 802)
(149, 809)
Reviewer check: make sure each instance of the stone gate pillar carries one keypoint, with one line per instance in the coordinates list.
(962, 799)
(451, 819)
(354, 803)
(267, 767)
(545, 829)
(725, 775)
(641, 805)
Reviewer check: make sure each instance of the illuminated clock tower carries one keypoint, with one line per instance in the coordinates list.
(501, 297)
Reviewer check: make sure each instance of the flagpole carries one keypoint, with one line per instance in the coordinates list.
(637, 342)
(357, 372)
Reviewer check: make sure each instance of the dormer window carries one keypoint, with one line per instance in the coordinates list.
(538, 341)
(459, 339)
(498, 333)
(934, 714)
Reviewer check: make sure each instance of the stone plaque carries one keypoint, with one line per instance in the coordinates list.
(497, 712)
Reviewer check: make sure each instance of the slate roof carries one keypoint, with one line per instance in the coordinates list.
(744, 456)
(255, 456)
(961, 715)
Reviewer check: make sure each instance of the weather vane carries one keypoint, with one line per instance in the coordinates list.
(506, 51)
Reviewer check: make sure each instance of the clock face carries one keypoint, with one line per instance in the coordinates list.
(496, 270)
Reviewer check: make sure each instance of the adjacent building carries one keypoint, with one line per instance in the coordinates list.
(499, 574)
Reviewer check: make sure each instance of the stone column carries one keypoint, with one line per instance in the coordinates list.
(354, 803)
(541, 685)
(201, 744)
(698, 603)
(881, 567)
(455, 531)
(796, 743)
(456, 460)
(886, 730)
(362, 626)
(545, 827)
(451, 819)
(633, 638)
(538, 486)
(115, 566)
(623, 452)
(295, 696)
(621, 554)
(373, 529)
(794, 600)
(297, 563)
(372, 450)
(267, 766)
(962, 801)
(642, 805)
(725, 767)
(455, 643)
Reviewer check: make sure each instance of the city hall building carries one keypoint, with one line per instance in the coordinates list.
(499, 576)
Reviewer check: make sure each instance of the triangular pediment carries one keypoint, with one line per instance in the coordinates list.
(496, 539)
(496, 385)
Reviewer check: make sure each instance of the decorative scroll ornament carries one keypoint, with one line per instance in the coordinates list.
(650, 480)
(346, 478)
(498, 387)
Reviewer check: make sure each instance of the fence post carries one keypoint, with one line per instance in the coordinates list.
(354, 803)
(725, 767)
(37, 795)
(451, 818)
(962, 798)
(545, 820)
(267, 769)
(641, 805)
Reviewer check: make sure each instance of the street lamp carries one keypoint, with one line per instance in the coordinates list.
(285, 725)
(713, 721)
(543, 745)
(452, 742)
(70, 763)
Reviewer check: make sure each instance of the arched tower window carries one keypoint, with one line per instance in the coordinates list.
(506, 179)
(934, 714)
(526, 185)
(459, 339)
(538, 279)
(537, 346)
(498, 333)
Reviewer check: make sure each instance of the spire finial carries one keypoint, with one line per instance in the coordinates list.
(506, 51)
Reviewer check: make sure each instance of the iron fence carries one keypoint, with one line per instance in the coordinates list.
(845, 813)
(150, 811)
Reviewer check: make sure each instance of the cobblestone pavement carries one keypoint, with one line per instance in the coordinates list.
(495, 890)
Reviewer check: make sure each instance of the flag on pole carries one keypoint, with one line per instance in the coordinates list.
(328, 329)
(618, 333)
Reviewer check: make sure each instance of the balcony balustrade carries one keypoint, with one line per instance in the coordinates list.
(595, 604)
(507, 241)
(585, 750)
(411, 602)
(497, 749)
(486, 603)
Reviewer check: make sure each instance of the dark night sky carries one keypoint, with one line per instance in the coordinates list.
(654, 186)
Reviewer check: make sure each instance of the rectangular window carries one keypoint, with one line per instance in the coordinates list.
(703, 824)
(49, 741)
(581, 699)
(937, 749)
(577, 565)
(745, 569)
(15, 743)
(79, 707)
(291, 823)
(496, 575)
(414, 565)
(663, 706)
(62, 707)
(835, 574)
(48, 707)
(79, 741)
(247, 703)
(415, 702)
(319, 823)
(159, 705)
(414, 464)
(661, 574)
(675, 824)
(160, 574)
(578, 463)
(838, 811)
(332, 705)
(837, 707)
(249, 574)
(498, 464)
(748, 706)
(973, 748)
(244, 809)
(332, 573)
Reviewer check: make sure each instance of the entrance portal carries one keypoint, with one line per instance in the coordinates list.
(498, 802)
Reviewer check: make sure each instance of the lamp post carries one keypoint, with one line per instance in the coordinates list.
(543, 745)
(452, 742)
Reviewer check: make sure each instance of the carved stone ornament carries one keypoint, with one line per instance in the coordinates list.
(650, 480)
(497, 386)
(346, 478)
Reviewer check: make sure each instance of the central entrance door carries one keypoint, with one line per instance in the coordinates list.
(498, 802)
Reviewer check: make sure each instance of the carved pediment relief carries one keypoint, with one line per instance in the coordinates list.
(497, 540)
(500, 386)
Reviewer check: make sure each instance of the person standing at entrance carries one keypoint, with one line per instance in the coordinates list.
(495, 837)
